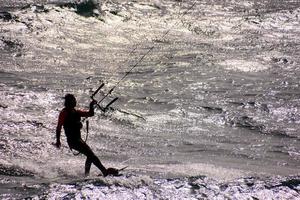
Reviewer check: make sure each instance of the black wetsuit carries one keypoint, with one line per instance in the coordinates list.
(70, 119)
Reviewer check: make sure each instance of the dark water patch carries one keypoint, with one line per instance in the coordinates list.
(11, 45)
(292, 183)
(195, 151)
(142, 72)
(280, 60)
(81, 182)
(86, 8)
(279, 152)
(7, 76)
(36, 8)
(279, 133)
(213, 109)
(246, 122)
(264, 107)
(14, 171)
(36, 124)
(21, 190)
(161, 41)
(253, 125)
(237, 103)
(243, 156)
(23, 123)
(6, 16)
(249, 94)
(225, 140)
(208, 31)
(260, 106)
(18, 4)
(3, 106)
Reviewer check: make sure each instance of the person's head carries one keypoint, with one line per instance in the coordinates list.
(70, 101)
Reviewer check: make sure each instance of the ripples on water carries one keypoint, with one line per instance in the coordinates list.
(219, 97)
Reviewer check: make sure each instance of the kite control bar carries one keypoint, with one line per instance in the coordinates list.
(104, 109)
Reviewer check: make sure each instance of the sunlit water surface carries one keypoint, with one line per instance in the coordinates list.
(211, 112)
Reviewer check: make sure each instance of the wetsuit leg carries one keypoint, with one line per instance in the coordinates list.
(88, 164)
(83, 148)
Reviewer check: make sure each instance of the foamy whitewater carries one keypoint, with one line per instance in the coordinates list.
(212, 112)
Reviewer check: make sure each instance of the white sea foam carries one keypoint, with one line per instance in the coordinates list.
(244, 65)
(197, 169)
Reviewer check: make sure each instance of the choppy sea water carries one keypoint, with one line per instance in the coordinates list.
(211, 113)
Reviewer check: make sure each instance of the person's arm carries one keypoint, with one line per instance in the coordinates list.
(89, 113)
(60, 123)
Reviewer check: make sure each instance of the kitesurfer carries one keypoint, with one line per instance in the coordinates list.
(70, 120)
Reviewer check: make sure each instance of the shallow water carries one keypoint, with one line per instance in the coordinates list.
(215, 103)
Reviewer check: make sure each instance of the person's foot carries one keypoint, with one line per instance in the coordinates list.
(105, 172)
(112, 171)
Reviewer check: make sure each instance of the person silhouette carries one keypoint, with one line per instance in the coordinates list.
(70, 119)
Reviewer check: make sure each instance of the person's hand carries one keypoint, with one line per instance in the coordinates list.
(57, 144)
(93, 102)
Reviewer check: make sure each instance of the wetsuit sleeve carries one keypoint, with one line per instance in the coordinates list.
(89, 113)
(83, 113)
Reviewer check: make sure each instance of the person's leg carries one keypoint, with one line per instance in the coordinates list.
(83, 148)
(88, 164)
